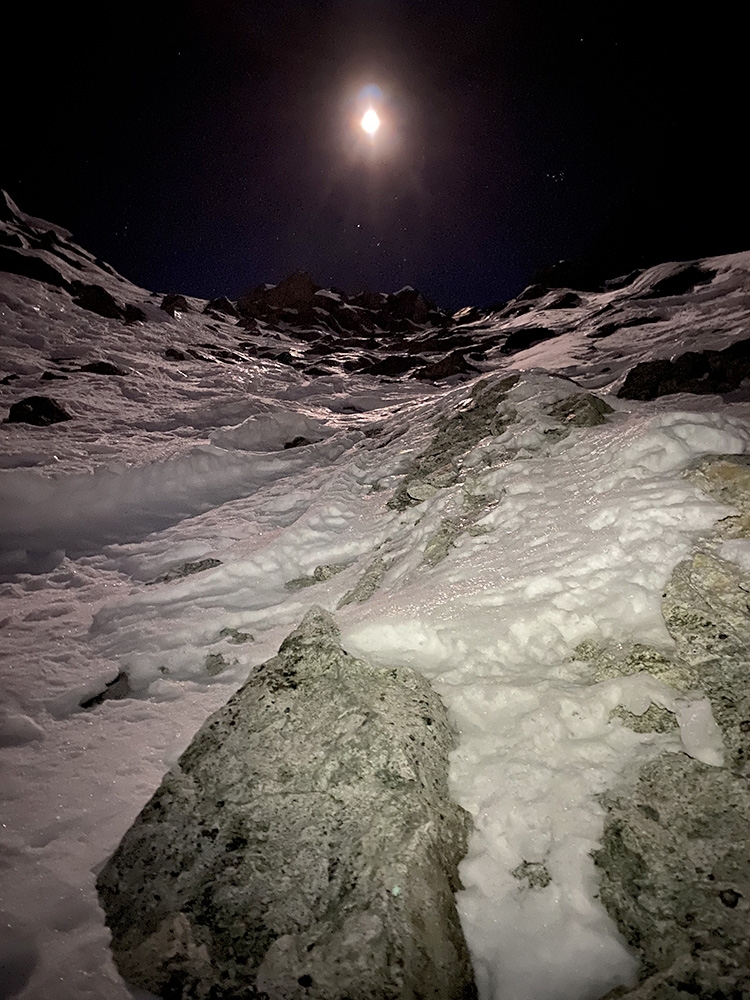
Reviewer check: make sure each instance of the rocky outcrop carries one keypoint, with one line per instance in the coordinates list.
(675, 856)
(38, 410)
(174, 303)
(102, 368)
(454, 363)
(221, 305)
(28, 265)
(699, 372)
(98, 300)
(300, 303)
(681, 281)
(297, 290)
(527, 336)
(304, 845)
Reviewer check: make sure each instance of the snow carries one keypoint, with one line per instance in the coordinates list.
(181, 462)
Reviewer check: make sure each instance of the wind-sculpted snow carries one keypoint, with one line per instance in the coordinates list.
(480, 530)
(46, 519)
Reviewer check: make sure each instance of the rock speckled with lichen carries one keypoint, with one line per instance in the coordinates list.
(304, 845)
(675, 856)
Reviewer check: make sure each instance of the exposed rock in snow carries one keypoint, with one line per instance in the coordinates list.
(221, 305)
(38, 410)
(454, 363)
(97, 300)
(676, 844)
(526, 336)
(304, 845)
(695, 371)
(174, 303)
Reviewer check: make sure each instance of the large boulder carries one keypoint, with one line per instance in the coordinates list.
(304, 845)
(96, 299)
(38, 410)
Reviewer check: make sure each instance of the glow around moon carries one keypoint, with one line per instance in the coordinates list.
(370, 121)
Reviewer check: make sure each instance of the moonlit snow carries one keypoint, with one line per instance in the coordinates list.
(185, 461)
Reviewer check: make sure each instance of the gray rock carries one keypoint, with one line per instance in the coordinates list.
(367, 584)
(215, 664)
(533, 873)
(582, 409)
(675, 856)
(727, 479)
(304, 845)
(236, 637)
(221, 305)
(454, 363)
(320, 574)
(115, 690)
(185, 569)
(441, 541)
(438, 464)
(675, 876)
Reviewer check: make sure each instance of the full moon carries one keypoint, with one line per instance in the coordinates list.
(370, 121)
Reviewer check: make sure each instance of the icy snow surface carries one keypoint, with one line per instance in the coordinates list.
(180, 462)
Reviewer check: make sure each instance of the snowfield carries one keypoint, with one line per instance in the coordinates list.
(488, 586)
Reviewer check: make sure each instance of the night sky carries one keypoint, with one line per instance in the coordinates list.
(205, 146)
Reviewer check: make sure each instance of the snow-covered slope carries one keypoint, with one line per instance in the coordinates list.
(224, 472)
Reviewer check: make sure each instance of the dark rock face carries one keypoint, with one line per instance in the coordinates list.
(581, 410)
(303, 846)
(568, 300)
(174, 303)
(454, 363)
(221, 305)
(531, 292)
(38, 410)
(300, 303)
(102, 368)
(408, 304)
(28, 266)
(698, 372)
(298, 290)
(134, 314)
(392, 365)
(115, 690)
(525, 337)
(174, 354)
(681, 282)
(607, 329)
(98, 300)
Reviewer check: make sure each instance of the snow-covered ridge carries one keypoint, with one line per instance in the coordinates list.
(482, 524)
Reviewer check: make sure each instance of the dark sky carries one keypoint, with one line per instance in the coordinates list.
(204, 146)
